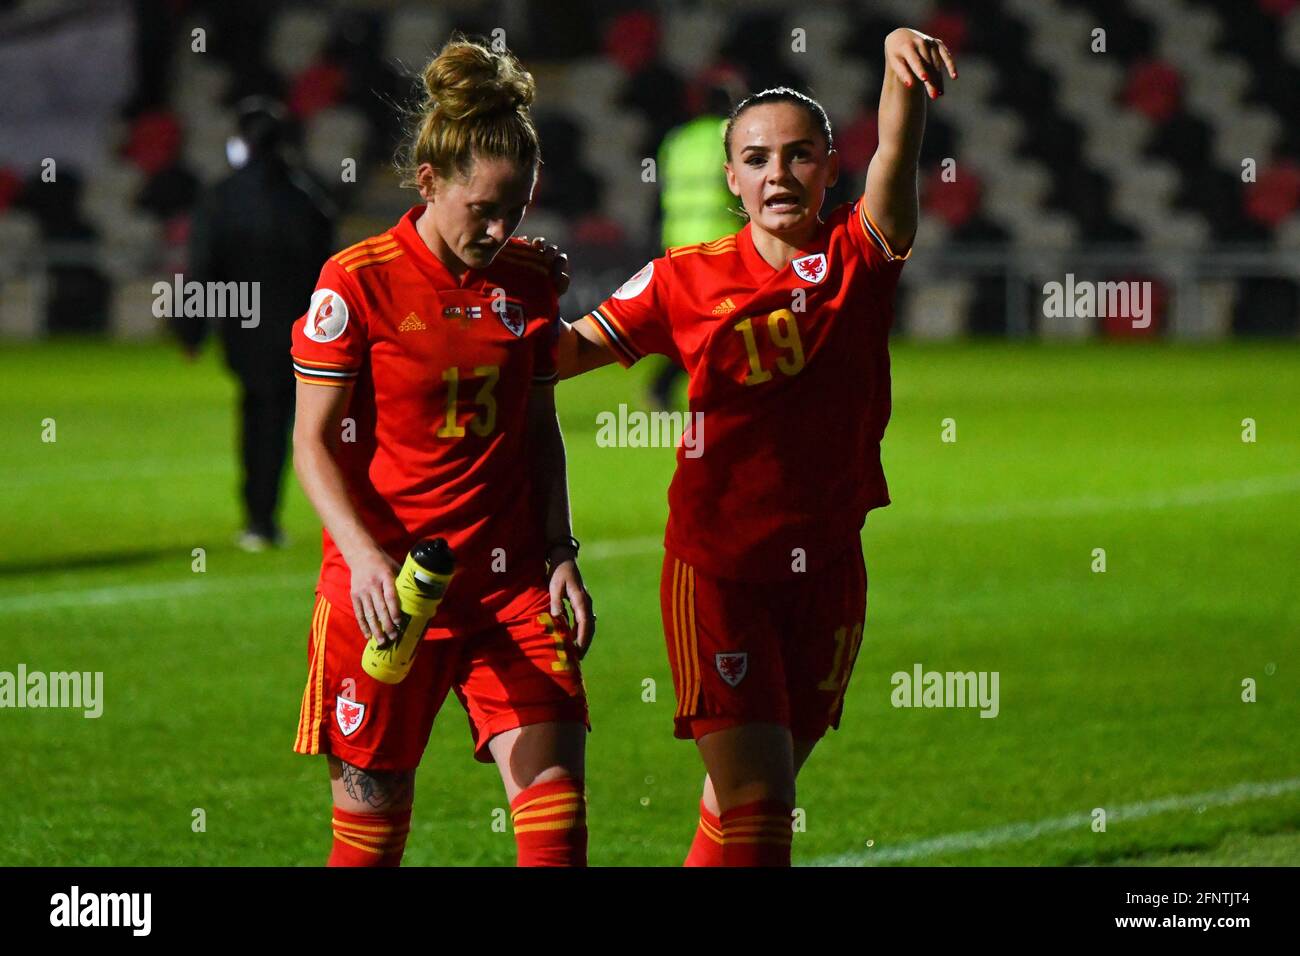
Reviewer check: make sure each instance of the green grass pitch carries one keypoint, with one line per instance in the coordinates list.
(1119, 690)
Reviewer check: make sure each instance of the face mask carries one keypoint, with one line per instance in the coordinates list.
(236, 152)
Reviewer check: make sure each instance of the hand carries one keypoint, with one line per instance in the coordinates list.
(374, 595)
(910, 53)
(553, 259)
(566, 582)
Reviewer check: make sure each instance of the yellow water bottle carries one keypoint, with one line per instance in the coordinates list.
(421, 584)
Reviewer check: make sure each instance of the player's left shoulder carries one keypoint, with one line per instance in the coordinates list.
(843, 212)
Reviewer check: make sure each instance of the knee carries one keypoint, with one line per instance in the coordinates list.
(554, 773)
(742, 792)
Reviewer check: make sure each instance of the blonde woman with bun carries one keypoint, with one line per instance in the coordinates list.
(426, 365)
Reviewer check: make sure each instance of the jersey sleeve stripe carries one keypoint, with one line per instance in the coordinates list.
(618, 329)
(546, 378)
(725, 245)
(369, 247)
(614, 337)
(873, 233)
(321, 381)
(373, 261)
(322, 374)
(313, 363)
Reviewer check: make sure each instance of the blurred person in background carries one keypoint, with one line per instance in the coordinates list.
(697, 206)
(268, 223)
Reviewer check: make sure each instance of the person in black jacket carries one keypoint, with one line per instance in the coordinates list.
(268, 223)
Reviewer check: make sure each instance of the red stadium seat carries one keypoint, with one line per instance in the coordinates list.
(597, 230)
(10, 186)
(1278, 8)
(154, 141)
(1154, 88)
(319, 86)
(951, 26)
(1121, 326)
(957, 202)
(1275, 195)
(856, 142)
(632, 40)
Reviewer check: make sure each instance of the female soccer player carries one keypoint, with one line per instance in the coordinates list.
(783, 329)
(426, 366)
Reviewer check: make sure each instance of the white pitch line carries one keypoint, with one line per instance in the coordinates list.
(601, 550)
(164, 590)
(1185, 497)
(115, 471)
(618, 548)
(1020, 832)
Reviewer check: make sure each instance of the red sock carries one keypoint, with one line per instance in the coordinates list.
(757, 834)
(550, 821)
(369, 839)
(706, 849)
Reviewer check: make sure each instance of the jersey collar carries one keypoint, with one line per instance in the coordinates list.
(758, 267)
(424, 258)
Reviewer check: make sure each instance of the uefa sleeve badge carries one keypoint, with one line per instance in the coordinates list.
(327, 316)
(634, 286)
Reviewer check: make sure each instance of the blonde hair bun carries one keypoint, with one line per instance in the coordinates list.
(467, 80)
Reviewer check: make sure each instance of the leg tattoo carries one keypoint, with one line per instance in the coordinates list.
(379, 789)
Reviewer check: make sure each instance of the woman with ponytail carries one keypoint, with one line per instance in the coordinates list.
(784, 331)
(426, 364)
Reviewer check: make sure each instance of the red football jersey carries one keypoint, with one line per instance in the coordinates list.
(434, 439)
(789, 391)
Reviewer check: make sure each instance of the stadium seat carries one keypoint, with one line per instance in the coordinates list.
(1274, 197)
(297, 38)
(21, 306)
(131, 244)
(334, 135)
(131, 316)
(414, 33)
(111, 192)
(937, 310)
(691, 37)
(20, 235)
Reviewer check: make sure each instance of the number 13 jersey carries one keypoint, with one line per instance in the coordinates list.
(433, 438)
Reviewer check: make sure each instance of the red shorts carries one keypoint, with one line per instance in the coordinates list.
(746, 652)
(519, 673)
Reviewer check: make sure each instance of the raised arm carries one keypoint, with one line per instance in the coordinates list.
(914, 68)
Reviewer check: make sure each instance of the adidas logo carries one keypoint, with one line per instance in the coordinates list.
(411, 323)
(725, 306)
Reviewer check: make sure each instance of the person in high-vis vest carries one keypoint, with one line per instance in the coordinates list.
(696, 203)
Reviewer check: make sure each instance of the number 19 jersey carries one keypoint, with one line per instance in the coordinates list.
(789, 391)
